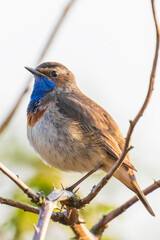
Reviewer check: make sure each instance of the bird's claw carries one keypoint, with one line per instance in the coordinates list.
(41, 198)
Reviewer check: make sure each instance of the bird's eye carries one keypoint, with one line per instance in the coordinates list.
(54, 74)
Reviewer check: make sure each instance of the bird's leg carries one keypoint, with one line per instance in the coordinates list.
(71, 188)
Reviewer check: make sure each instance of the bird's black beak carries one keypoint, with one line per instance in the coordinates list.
(33, 71)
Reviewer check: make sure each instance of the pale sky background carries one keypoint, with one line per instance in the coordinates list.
(109, 46)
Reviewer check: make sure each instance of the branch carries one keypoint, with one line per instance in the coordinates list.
(99, 228)
(43, 53)
(56, 216)
(119, 162)
(76, 225)
(28, 191)
(23, 206)
(82, 233)
(47, 209)
(64, 218)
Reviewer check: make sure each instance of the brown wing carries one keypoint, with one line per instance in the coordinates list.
(95, 121)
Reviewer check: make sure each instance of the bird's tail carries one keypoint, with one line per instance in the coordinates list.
(127, 177)
(142, 197)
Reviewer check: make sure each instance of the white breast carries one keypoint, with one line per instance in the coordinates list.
(60, 143)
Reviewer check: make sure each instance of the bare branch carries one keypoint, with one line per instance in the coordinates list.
(28, 191)
(43, 53)
(71, 219)
(56, 216)
(82, 233)
(79, 228)
(119, 162)
(25, 207)
(46, 211)
(99, 228)
(44, 217)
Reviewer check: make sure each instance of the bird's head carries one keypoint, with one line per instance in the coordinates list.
(50, 77)
(55, 73)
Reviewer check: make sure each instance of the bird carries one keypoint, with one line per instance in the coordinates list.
(71, 132)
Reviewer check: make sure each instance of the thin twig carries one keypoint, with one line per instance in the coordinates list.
(119, 162)
(28, 191)
(23, 206)
(43, 53)
(99, 228)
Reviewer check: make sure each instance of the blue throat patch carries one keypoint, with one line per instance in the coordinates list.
(42, 85)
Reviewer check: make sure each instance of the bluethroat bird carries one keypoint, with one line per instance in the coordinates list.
(70, 131)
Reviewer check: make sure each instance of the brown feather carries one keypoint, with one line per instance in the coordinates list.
(95, 121)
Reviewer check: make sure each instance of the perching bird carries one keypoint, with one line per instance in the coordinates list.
(70, 131)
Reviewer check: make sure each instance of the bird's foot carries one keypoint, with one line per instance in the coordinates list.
(41, 198)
